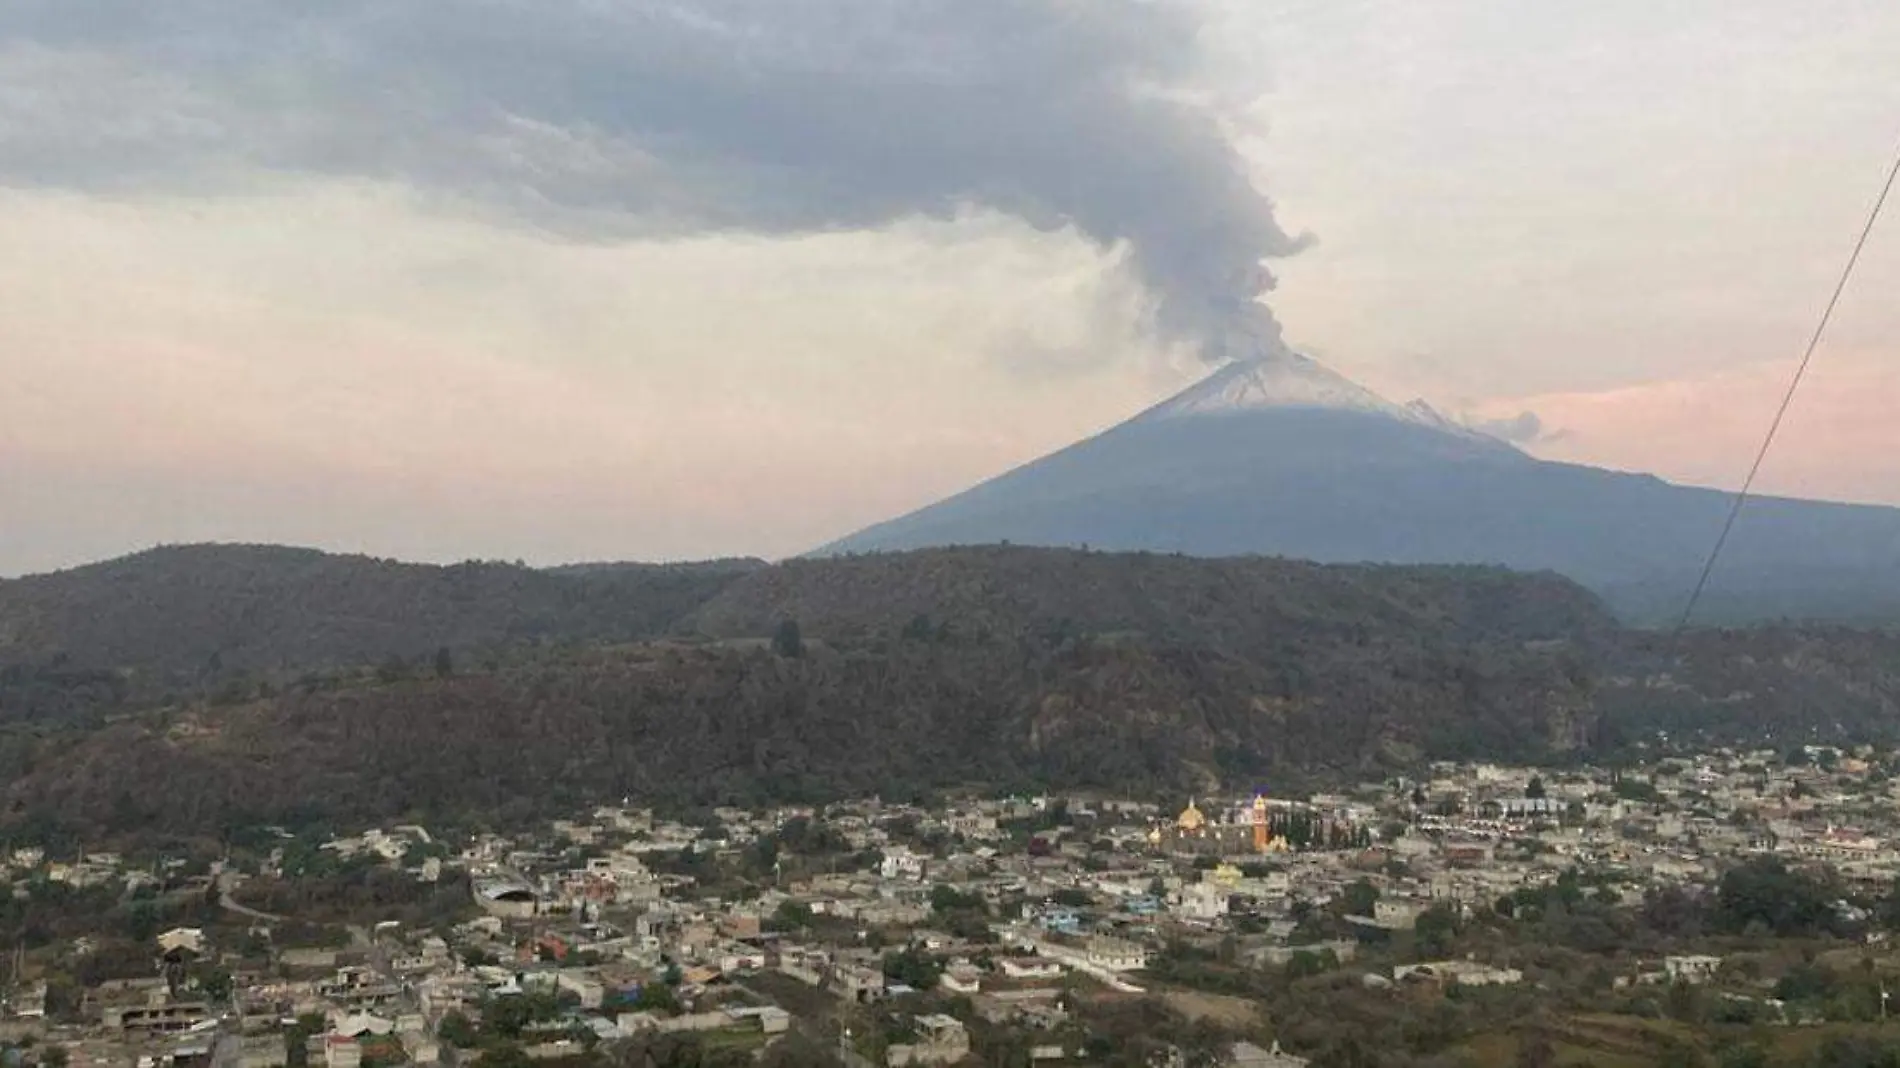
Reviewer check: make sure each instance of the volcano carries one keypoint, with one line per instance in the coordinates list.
(1282, 456)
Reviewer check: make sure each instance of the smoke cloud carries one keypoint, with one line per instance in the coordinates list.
(645, 118)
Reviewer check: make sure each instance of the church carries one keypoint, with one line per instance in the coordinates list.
(1260, 827)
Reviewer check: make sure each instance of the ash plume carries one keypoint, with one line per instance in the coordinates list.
(671, 117)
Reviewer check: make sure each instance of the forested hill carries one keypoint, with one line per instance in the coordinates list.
(909, 672)
(904, 672)
(1237, 601)
(190, 612)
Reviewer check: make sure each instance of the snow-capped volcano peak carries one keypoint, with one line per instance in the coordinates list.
(1293, 381)
(1281, 381)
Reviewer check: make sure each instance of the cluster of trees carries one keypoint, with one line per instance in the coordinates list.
(1143, 1032)
(59, 694)
(800, 846)
(795, 1050)
(913, 967)
(1764, 895)
(966, 915)
(1801, 685)
(1302, 829)
(362, 889)
(42, 911)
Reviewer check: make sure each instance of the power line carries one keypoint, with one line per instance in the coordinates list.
(1807, 357)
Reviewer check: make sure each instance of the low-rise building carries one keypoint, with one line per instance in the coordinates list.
(940, 1039)
(1117, 954)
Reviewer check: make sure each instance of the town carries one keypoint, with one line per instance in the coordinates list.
(996, 930)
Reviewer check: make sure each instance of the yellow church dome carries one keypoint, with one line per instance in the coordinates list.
(1190, 818)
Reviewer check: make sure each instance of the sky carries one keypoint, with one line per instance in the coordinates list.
(664, 279)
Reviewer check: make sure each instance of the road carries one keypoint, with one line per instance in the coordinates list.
(228, 882)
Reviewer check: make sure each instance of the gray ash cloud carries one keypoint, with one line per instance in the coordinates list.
(644, 117)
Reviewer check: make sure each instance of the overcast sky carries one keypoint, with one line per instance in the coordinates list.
(591, 279)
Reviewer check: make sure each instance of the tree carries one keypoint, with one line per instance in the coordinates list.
(216, 984)
(792, 916)
(1855, 1051)
(1765, 891)
(1346, 1051)
(799, 1050)
(1673, 912)
(444, 663)
(506, 1055)
(1304, 963)
(946, 898)
(787, 641)
(912, 968)
(1535, 790)
(1071, 897)
(657, 997)
(1684, 1002)
(1806, 981)
(458, 1031)
(762, 856)
(1535, 1050)
(1360, 898)
(1433, 932)
(297, 1038)
(1744, 1056)
(141, 921)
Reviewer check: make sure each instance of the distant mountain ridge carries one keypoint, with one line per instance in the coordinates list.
(184, 610)
(1284, 457)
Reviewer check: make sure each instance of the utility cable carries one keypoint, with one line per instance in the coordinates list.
(1807, 357)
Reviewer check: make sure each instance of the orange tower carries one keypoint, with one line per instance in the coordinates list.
(1260, 823)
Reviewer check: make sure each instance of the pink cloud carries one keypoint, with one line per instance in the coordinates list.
(1838, 441)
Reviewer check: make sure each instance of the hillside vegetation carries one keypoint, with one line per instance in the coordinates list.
(1234, 602)
(189, 611)
(891, 673)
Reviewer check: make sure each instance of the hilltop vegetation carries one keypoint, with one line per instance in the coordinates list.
(710, 724)
(1234, 602)
(187, 612)
(300, 687)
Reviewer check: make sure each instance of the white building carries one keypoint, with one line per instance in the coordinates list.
(901, 863)
(1460, 972)
(1117, 954)
(1695, 968)
(1248, 1055)
(941, 1039)
(1204, 902)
